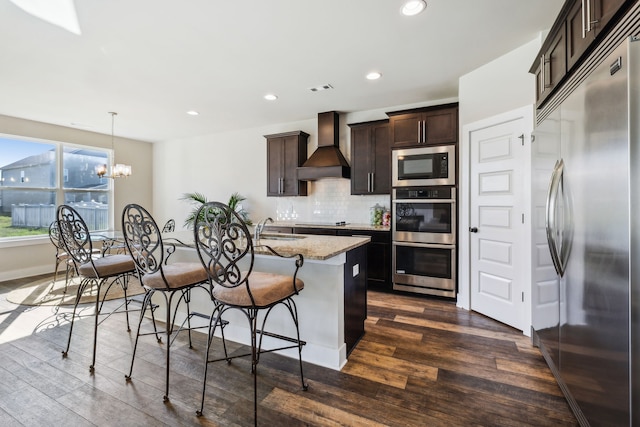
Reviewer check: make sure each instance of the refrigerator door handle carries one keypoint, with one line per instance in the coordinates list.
(567, 222)
(550, 218)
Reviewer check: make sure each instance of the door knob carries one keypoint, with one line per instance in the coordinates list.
(473, 229)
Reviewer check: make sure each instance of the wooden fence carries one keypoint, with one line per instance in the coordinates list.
(95, 215)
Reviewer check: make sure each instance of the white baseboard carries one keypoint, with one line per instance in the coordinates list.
(25, 272)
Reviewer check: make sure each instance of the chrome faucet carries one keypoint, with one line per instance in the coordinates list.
(260, 228)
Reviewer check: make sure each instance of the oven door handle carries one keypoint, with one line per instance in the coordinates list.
(423, 245)
(407, 201)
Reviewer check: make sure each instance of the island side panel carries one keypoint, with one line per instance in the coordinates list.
(355, 296)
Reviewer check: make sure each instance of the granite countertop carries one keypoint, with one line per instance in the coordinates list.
(310, 246)
(348, 226)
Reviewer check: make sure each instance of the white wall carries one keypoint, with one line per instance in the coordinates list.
(220, 164)
(502, 85)
(21, 259)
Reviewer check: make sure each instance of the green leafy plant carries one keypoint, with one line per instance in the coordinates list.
(199, 199)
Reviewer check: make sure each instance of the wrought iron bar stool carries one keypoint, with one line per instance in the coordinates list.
(224, 246)
(144, 243)
(95, 271)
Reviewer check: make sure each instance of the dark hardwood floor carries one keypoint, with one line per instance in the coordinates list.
(422, 362)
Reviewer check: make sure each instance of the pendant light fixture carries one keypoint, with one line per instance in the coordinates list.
(118, 170)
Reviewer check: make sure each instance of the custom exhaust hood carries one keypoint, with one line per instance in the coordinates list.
(327, 161)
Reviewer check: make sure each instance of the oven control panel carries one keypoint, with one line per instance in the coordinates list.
(447, 193)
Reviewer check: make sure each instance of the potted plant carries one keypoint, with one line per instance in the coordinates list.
(199, 199)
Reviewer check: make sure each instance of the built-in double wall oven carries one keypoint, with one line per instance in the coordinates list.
(424, 225)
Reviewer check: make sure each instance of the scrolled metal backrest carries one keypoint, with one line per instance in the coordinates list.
(74, 234)
(143, 239)
(54, 236)
(223, 241)
(169, 226)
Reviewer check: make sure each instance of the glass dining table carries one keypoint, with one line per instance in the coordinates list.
(112, 241)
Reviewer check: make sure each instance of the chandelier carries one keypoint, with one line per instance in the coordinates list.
(118, 170)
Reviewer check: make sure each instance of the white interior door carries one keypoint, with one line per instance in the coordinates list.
(497, 231)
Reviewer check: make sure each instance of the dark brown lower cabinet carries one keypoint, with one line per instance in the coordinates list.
(378, 251)
(378, 258)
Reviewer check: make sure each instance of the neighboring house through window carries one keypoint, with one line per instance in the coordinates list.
(36, 176)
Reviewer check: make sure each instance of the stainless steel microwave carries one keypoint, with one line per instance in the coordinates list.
(424, 166)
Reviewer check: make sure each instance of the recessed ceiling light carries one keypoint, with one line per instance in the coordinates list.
(270, 97)
(374, 75)
(192, 113)
(413, 7)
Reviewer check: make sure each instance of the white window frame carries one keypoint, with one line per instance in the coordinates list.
(58, 187)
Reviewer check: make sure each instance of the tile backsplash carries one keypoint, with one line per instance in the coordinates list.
(329, 200)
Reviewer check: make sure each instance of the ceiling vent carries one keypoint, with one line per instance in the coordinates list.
(321, 87)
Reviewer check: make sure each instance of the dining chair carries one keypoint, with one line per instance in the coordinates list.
(61, 255)
(144, 243)
(226, 250)
(95, 271)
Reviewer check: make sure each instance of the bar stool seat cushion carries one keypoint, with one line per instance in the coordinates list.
(107, 266)
(176, 276)
(266, 288)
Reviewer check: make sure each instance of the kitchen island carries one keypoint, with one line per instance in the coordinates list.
(331, 307)
(379, 250)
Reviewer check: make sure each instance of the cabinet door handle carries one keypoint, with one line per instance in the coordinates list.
(589, 16)
(584, 24)
(424, 131)
(419, 131)
(542, 82)
(371, 180)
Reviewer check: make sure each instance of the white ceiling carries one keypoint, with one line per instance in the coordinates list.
(152, 60)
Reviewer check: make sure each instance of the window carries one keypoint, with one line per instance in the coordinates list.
(37, 176)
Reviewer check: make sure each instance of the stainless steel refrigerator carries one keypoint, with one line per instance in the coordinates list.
(586, 196)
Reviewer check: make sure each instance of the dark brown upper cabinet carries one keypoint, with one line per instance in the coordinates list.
(424, 126)
(552, 66)
(370, 158)
(586, 20)
(577, 30)
(285, 153)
